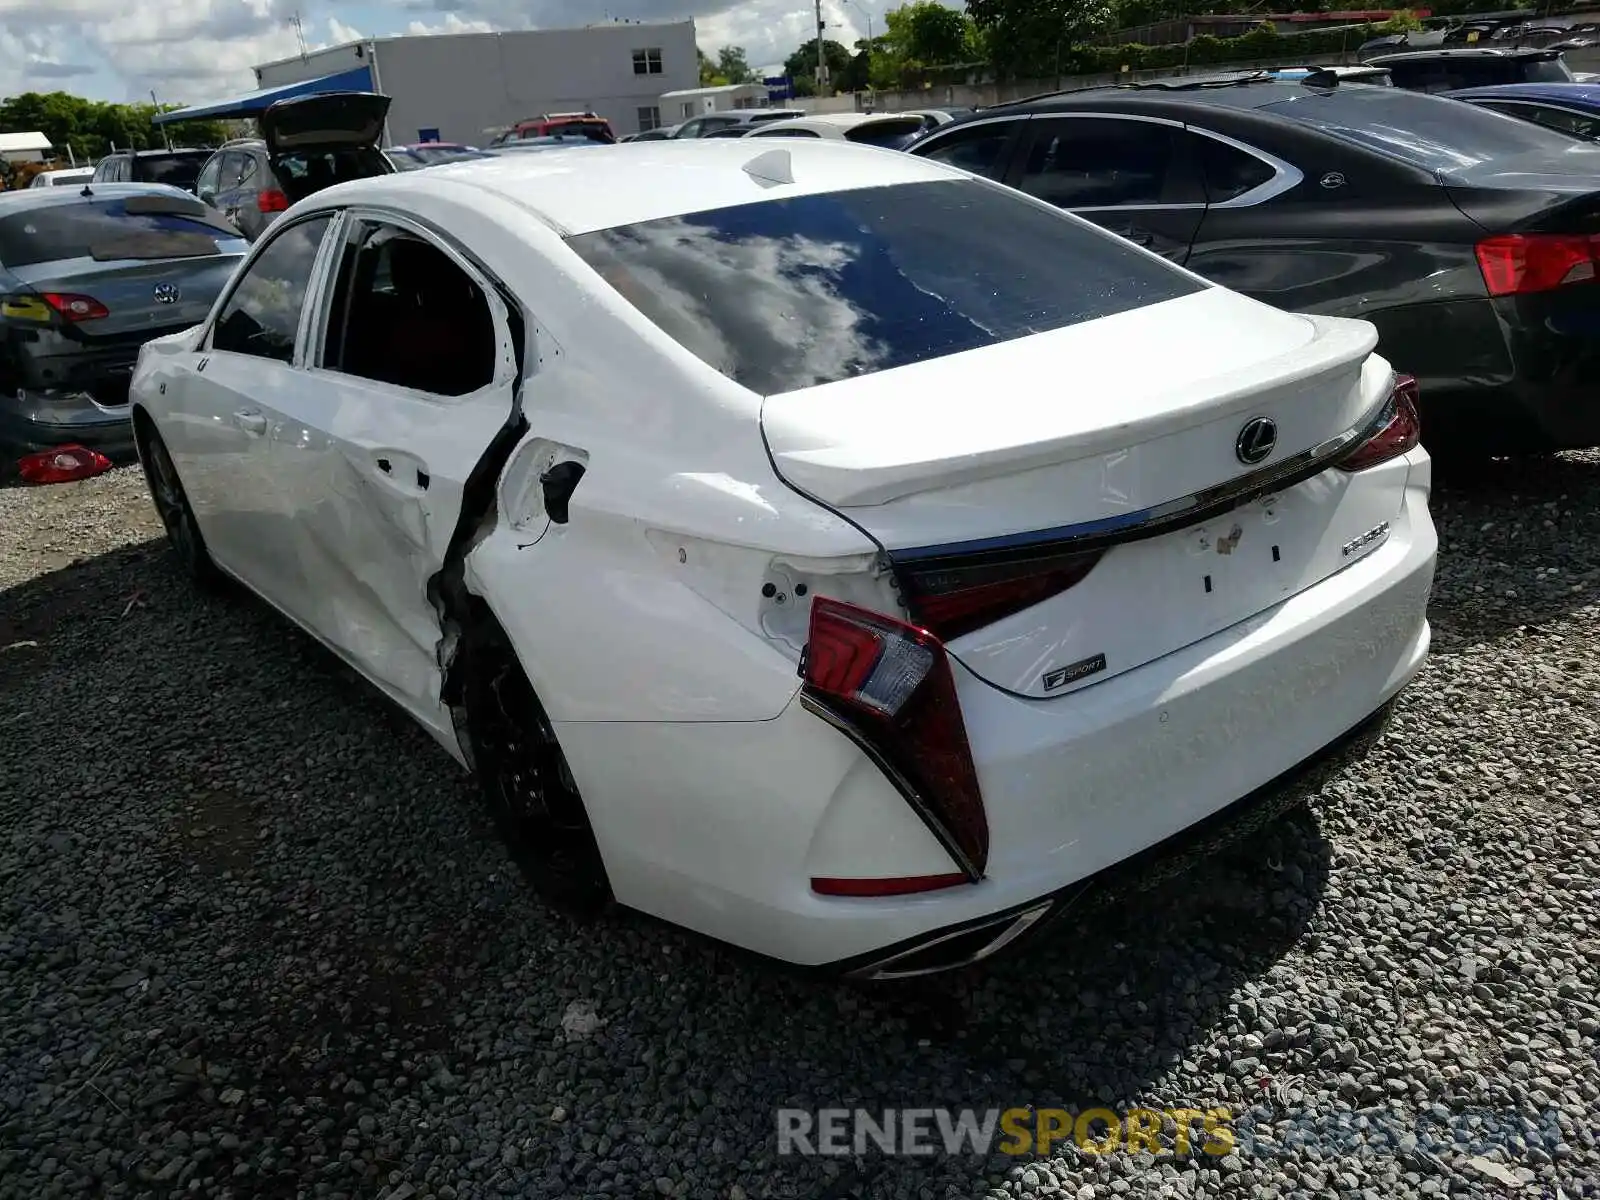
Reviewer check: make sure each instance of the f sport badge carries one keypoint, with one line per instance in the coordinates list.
(1081, 669)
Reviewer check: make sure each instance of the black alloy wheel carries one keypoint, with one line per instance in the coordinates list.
(530, 792)
(172, 506)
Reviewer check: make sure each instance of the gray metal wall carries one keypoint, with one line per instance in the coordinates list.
(463, 83)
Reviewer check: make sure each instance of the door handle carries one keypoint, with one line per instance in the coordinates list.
(251, 422)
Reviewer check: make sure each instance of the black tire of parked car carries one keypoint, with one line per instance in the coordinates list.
(172, 506)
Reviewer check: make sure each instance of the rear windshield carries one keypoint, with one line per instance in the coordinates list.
(176, 170)
(1431, 132)
(787, 294)
(110, 230)
(891, 134)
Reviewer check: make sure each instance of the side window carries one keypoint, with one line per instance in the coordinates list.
(979, 149)
(205, 185)
(1565, 121)
(228, 172)
(1102, 162)
(247, 171)
(402, 312)
(262, 315)
(1229, 172)
(691, 128)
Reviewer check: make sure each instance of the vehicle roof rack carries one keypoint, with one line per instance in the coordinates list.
(1192, 83)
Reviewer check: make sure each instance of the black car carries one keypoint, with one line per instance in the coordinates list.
(307, 144)
(176, 168)
(1468, 238)
(1449, 70)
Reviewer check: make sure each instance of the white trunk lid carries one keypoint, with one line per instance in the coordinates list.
(1092, 431)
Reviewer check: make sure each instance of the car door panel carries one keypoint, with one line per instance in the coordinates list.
(243, 369)
(1133, 176)
(376, 473)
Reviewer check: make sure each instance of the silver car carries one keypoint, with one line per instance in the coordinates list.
(87, 276)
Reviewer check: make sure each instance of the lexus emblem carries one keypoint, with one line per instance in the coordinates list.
(166, 293)
(1256, 440)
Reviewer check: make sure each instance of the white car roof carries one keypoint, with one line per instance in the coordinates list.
(582, 190)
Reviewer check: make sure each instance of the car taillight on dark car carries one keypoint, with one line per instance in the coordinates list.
(1399, 431)
(1520, 264)
(889, 687)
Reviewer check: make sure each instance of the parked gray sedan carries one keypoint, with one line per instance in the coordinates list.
(87, 276)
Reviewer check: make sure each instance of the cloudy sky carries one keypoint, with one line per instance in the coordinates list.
(194, 51)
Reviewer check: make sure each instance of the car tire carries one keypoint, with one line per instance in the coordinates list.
(527, 786)
(172, 506)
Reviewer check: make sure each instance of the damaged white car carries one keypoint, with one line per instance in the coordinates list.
(828, 551)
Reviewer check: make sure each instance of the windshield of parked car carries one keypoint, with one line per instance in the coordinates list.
(127, 227)
(790, 293)
(175, 170)
(1431, 132)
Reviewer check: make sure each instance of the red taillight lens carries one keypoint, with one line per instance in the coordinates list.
(70, 306)
(1399, 433)
(953, 599)
(271, 201)
(907, 885)
(1516, 264)
(62, 465)
(889, 686)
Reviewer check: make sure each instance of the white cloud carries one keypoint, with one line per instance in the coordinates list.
(192, 51)
(450, 24)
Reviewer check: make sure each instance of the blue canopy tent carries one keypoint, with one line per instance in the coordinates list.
(253, 104)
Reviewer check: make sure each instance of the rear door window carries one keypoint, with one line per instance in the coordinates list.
(1106, 162)
(175, 170)
(129, 227)
(787, 294)
(982, 149)
(1229, 172)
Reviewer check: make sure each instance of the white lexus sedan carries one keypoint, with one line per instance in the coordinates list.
(826, 550)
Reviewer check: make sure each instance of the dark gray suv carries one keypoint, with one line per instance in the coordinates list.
(306, 145)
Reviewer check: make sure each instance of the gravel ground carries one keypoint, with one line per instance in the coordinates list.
(255, 939)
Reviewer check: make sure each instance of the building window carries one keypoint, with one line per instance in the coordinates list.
(647, 62)
(649, 118)
(688, 110)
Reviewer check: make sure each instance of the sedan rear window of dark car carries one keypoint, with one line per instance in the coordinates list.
(176, 170)
(787, 294)
(127, 227)
(1432, 132)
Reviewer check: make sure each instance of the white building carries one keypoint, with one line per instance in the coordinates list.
(454, 86)
(684, 103)
(26, 147)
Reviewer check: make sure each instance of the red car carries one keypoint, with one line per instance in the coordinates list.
(586, 123)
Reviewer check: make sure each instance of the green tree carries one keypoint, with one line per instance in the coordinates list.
(733, 66)
(801, 66)
(92, 127)
(1035, 37)
(1403, 21)
(709, 75)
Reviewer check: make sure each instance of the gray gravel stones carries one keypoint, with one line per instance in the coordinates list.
(256, 941)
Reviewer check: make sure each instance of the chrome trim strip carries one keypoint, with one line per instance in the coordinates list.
(1161, 518)
(1013, 927)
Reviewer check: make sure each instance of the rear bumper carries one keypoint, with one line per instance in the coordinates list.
(733, 819)
(1508, 375)
(43, 420)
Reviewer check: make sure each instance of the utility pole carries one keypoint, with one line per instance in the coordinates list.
(822, 58)
(165, 136)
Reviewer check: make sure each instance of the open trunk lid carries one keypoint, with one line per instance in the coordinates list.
(1132, 446)
(325, 121)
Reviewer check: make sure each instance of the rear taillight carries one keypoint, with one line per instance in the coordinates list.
(62, 465)
(889, 686)
(70, 306)
(1516, 264)
(951, 599)
(272, 201)
(1400, 431)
